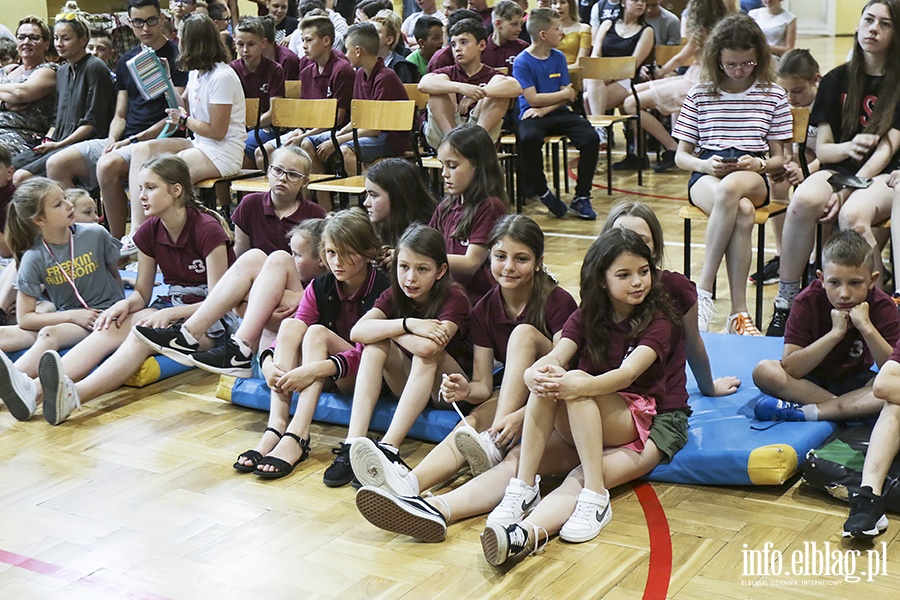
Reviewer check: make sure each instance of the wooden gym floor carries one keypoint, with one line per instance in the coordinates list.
(135, 497)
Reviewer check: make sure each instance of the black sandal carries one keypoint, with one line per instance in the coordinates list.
(283, 467)
(253, 455)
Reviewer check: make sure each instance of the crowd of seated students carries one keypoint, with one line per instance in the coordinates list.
(382, 292)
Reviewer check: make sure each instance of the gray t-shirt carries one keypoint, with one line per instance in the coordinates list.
(666, 28)
(95, 252)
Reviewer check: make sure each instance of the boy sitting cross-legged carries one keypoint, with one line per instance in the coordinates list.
(467, 91)
(840, 325)
(544, 109)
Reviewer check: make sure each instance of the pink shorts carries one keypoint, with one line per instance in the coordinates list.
(668, 93)
(643, 409)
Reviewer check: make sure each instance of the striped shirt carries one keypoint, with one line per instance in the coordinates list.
(745, 121)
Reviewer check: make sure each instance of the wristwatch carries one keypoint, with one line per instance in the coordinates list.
(133, 139)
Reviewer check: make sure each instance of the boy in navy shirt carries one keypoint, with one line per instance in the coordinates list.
(544, 110)
(839, 326)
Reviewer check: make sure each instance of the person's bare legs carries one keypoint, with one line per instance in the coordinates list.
(799, 236)
(382, 359)
(67, 165)
(53, 337)
(112, 170)
(866, 207)
(277, 273)
(528, 344)
(443, 110)
(13, 338)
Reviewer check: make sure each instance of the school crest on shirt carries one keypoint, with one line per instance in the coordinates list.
(264, 88)
(464, 243)
(856, 350)
(197, 266)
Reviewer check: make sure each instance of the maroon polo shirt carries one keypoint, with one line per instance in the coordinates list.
(183, 262)
(335, 81)
(487, 18)
(256, 217)
(383, 84)
(266, 82)
(445, 219)
(492, 326)
(458, 74)
(810, 319)
(456, 309)
(504, 54)
(289, 61)
(683, 295)
(658, 337)
(442, 58)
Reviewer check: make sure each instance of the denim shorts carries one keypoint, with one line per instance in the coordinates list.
(727, 153)
(370, 148)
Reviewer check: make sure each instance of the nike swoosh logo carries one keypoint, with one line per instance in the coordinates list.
(238, 362)
(176, 346)
(601, 515)
(526, 506)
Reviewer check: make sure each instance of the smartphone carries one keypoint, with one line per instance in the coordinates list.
(730, 159)
(849, 181)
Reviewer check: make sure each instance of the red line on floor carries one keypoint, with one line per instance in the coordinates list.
(660, 571)
(629, 192)
(89, 581)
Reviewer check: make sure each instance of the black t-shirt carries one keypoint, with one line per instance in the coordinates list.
(584, 10)
(144, 113)
(829, 108)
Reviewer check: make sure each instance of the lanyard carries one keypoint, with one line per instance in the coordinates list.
(69, 278)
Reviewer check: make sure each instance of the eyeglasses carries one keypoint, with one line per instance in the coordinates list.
(292, 176)
(29, 36)
(139, 23)
(732, 67)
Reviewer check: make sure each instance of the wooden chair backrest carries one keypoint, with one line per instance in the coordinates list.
(608, 67)
(383, 115)
(251, 106)
(292, 88)
(801, 124)
(665, 53)
(420, 98)
(294, 113)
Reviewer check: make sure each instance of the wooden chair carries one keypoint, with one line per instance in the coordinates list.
(553, 143)
(292, 89)
(218, 185)
(665, 53)
(614, 68)
(380, 115)
(293, 113)
(689, 213)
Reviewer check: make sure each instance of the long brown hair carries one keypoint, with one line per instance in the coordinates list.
(200, 45)
(737, 32)
(426, 241)
(409, 198)
(596, 306)
(172, 169)
(26, 204)
(882, 118)
(632, 208)
(524, 230)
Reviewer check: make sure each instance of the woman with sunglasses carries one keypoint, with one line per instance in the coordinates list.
(27, 90)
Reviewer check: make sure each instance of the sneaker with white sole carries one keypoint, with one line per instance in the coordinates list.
(168, 341)
(592, 513)
(772, 409)
(373, 467)
(17, 390)
(742, 324)
(706, 308)
(407, 515)
(518, 501)
(504, 543)
(60, 395)
(479, 449)
(129, 248)
(867, 518)
(225, 360)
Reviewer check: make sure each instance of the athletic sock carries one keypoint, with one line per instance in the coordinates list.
(704, 293)
(810, 411)
(787, 291)
(242, 346)
(187, 336)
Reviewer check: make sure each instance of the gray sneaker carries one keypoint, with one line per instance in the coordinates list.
(17, 390)
(60, 396)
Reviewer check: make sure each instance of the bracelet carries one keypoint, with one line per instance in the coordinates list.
(133, 140)
(405, 328)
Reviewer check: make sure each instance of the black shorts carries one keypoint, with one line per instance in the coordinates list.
(727, 153)
(845, 384)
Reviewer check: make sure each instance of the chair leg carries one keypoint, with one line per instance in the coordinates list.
(641, 152)
(760, 265)
(687, 248)
(556, 170)
(565, 164)
(609, 161)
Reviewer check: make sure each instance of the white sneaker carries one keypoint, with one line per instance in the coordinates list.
(519, 500)
(374, 469)
(741, 324)
(591, 514)
(128, 247)
(478, 449)
(17, 390)
(706, 308)
(601, 133)
(60, 396)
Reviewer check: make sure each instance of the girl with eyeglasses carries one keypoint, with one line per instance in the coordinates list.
(278, 256)
(728, 125)
(27, 90)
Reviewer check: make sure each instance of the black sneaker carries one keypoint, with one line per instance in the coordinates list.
(557, 207)
(666, 162)
(866, 518)
(779, 320)
(340, 472)
(168, 341)
(769, 272)
(501, 544)
(225, 360)
(631, 162)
